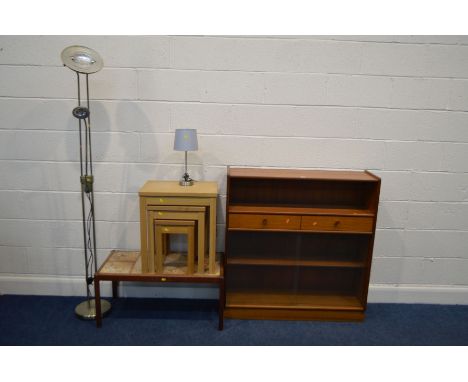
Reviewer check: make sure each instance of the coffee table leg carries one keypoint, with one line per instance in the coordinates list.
(221, 305)
(97, 302)
(115, 289)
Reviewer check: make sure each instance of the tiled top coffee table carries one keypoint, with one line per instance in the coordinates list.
(126, 266)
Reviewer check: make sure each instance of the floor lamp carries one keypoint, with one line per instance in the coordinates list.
(85, 61)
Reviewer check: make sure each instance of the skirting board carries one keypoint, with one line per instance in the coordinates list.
(75, 286)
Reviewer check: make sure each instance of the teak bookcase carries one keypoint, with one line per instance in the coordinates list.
(299, 243)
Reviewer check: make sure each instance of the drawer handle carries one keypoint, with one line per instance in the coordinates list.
(163, 279)
(337, 223)
(264, 222)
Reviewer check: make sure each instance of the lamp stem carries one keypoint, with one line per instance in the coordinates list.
(79, 124)
(86, 309)
(89, 127)
(93, 222)
(186, 162)
(80, 131)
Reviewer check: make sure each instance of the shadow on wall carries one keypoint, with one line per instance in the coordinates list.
(67, 205)
(46, 114)
(389, 248)
(128, 178)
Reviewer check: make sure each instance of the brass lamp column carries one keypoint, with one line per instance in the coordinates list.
(85, 61)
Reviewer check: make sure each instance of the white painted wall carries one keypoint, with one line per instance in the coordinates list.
(396, 105)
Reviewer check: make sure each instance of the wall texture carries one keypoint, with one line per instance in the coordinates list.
(396, 105)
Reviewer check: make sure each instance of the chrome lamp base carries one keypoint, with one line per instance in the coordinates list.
(87, 309)
(186, 182)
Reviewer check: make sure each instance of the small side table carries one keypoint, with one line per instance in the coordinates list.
(126, 266)
(167, 227)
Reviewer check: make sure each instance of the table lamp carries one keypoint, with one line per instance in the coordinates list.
(186, 140)
(85, 61)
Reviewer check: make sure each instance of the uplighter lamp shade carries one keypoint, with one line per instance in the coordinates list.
(82, 59)
(185, 140)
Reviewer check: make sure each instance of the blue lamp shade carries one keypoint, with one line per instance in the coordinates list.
(185, 140)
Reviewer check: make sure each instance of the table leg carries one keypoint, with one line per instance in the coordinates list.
(159, 262)
(221, 305)
(190, 251)
(115, 289)
(201, 243)
(212, 252)
(97, 303)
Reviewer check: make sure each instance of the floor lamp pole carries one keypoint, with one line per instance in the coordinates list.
(86, 309)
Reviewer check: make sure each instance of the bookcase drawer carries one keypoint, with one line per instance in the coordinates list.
(264, 221)
(337, 223)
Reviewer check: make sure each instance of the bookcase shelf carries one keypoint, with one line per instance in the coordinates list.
(296, 263)
(278, 300)
(294, 210)
(299, 243)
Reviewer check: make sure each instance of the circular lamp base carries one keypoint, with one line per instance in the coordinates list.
(186, 182)
(87, 309)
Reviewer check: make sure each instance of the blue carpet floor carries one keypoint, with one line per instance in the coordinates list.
(45, 320)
